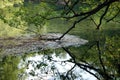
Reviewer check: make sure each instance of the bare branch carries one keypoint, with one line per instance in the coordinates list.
(83, 66)
(89, 72)
(99, 53)
(69, 72)
(71, 8)
(93, 21)
(88, 14)
(73, 26)
(91, 12)
(95, 10)
(114, 16)
(102, 16)
(106, 76)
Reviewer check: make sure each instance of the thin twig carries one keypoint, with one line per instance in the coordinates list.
(71, 8)
(69, 72)
(102, 16)
(73, 26)
(100, 59)
(83, 65)
(93, 21)
(89, 13)
(114, 16)
(89, 72)
(106, 76)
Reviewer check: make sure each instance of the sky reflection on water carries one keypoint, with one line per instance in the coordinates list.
(53, 67)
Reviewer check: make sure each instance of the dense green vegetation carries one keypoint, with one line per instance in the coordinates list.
(9, 69)
(101, 53)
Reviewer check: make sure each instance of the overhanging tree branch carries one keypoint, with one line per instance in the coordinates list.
(73, 26)
(95, 10)
(93, 21)
(71, 8)
(67, 74)
(99, 54)
(114, 16)
(89, 72)
(91, 12)
(102, 16)
(84, 66)
(106, 76)
(88, 14)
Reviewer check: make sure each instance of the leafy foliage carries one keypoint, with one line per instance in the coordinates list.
(30, 17)
(9, 68)
(101, 54)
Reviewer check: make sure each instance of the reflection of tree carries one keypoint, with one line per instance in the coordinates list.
(82, 65)
(71, 13)
(9, 68)
(100, 62)
(47, 67)
(107, 57)
(105, 60)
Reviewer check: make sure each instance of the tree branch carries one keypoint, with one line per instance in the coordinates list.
(88, 14)
(71, 8)
(69, 72)
(89, 72)
(73, 26)
(82, 65)
(114, 16)
(100, 59)
(91, 12)
(102, 16)
(104, 75)
(93, 21)
(96, 9)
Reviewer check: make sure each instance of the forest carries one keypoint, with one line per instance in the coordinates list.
(59, 40)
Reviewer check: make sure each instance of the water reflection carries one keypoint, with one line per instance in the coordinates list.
(52, 66)
(46, 64)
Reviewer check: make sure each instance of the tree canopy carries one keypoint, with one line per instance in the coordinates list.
(100, 56)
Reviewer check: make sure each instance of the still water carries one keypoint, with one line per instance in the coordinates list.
(42, 60)
(53, 67)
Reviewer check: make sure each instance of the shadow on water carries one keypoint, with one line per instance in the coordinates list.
(52, 64)
(48, 64)
(61, 63)
(58, 64)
